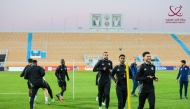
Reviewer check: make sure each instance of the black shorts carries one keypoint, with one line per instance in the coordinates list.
(28, 85)
(62, 84)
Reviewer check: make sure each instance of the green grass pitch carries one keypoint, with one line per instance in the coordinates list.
(13, 92)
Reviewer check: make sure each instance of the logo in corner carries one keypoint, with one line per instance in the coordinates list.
(175, 15)
(175, 11)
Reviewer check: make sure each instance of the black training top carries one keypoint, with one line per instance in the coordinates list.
(34, 73)
(61, 72)
(23, 72)
(120, 71)
(145, 83)
(104, 74)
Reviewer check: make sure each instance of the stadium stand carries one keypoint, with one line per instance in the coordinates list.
(181, 44)
(16, 43)
(185, 39)
(75, 45)
(69, 44)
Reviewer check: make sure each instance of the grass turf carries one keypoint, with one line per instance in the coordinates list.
(13, 92)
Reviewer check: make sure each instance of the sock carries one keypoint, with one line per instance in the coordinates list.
(35, 98)
(46, 99)
(61, 96)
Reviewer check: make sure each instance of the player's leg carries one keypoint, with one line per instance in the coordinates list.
(103, 99)
(46, 95)
(101, 92)
(62, 85)
(142, 99)
(135, 87)
(96, 82)
(186, 88)
(63, 90)
(133, 90)
(181, 88)
(119, 98)
(107, 93)
(48, 90)
(97, 97)
(151, 100)
(29, 91)
(124, 98)
(35, 99)
(29, 94)
(59, 94)
(33, 93)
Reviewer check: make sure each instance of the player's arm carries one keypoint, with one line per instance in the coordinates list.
(57, 71)
(42, 72)
(113, 74)
(154, 77)
(66, 73)
(97, 67)
(26, 74)
(111, 66)
(23, 72)
(179, 73)
(139, 76)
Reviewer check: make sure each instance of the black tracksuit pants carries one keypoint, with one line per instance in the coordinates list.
(122, 97)
(104, 89)
(34, 88)
(151, 99)
(102, 97)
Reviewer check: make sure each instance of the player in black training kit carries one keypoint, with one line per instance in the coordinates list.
(22, 75)
(121, 82)
(105, 68)
(146, 76)
(60, 73)
(35, 75)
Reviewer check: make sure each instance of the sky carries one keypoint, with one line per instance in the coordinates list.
(60, 15)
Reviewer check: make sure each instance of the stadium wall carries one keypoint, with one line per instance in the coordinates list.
(1, 68)
(80, 66)
(21, 64)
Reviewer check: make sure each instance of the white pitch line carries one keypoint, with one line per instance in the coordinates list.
(12, 93)
(15, 93)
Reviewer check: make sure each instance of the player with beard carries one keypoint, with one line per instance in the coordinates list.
(146, 76)
(104, 67)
